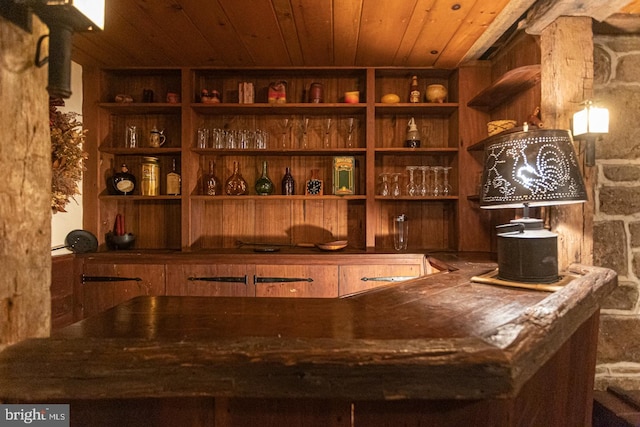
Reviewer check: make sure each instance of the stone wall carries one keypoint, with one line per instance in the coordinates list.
(616, 231)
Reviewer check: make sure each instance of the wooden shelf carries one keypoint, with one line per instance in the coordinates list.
(137, 198)
(414, 151)
(420, 198)
(141, 107)
(276, 197)
(479, 146)
(280, 109)
(510, 84)
(281, 151)
(444, 109)
(140, 151)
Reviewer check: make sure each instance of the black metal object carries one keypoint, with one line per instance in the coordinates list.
(258, 279)
(223, 279)
(387, 279)
(527, 252)
(86, 278)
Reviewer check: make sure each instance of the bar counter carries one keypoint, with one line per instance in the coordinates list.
(431, 349)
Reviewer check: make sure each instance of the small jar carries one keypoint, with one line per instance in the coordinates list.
(316, 93)
(150, 182)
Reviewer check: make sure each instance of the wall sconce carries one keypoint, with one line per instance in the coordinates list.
(591, 122)
(63, 17)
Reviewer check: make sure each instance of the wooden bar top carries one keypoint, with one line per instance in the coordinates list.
(436, 337)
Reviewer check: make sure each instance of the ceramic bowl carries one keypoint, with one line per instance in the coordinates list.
(123, 242)
(332, 246)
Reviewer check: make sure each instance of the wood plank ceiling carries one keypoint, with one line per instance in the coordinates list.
(236, 33)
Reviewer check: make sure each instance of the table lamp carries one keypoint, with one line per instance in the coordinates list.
(524, 169)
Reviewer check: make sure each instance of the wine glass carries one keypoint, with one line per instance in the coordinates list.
(350, 126)
(327, 131)
(423, 189)
(384, 190)
(304, 129)
(412, 188)
(395, 185)
(437, 186)
(446, 187)
(284, 125)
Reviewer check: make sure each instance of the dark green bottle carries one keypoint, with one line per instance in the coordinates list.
(264, 186)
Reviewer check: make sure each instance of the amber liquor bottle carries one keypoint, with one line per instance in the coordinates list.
(414, 91)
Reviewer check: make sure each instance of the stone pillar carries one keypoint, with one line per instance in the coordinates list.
(25, 193)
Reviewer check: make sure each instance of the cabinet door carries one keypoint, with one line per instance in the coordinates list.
(357, 278)
(297, 281)
(106, 285)
(209, 280)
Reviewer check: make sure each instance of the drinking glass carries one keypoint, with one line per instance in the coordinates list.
(446, 187)
(412, 188)
(395, 185)
(132, 137)
(284, 125)
(384, 190)
(437, 185)
(400, 232)
(326, 132)
(203, 137)
(423, 189)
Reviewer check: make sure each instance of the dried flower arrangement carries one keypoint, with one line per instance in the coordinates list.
(67, 137)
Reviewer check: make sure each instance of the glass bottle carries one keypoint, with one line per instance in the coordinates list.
(210, 182)
(235, 184)
(122, 183)
(288, 183)
(413, 136)
(264, 186)
(414, 91)
(412, 188)
(173, 180)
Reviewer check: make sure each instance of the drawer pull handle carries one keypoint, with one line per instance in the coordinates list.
(224, 279)
(86, 278)
(387, 279)
(258, 279)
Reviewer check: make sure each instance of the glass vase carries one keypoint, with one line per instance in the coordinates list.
(235, 184)
(264, 185)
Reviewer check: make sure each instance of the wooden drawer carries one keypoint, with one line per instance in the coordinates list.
(298, 281)
(106, 285)
(357, 278)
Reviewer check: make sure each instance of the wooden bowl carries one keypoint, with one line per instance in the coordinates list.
(332, 246)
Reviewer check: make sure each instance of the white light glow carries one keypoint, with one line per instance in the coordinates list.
(591, 120)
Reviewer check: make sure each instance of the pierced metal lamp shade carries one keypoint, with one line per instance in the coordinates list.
(535, 168)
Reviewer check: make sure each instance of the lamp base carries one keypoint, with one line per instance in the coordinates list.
(491, 278)
(529, 254)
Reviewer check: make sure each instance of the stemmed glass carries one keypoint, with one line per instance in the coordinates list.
(446, 187)
(304, 128)
(384, 189)
(326, 132)
(284, 125)
(423, 189)
(437, 186)
(395, 185)
(412, 188)
(350, 127)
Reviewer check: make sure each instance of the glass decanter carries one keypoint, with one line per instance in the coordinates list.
(264, 185)
(446, 187)
(235, 184)
(288, 183)
(210, 182)
(412, 188)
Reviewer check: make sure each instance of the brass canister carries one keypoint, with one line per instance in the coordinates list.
(150, 183)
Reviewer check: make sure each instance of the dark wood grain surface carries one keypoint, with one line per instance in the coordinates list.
(437, 337)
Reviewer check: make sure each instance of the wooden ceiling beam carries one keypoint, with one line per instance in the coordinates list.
(545, 12)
